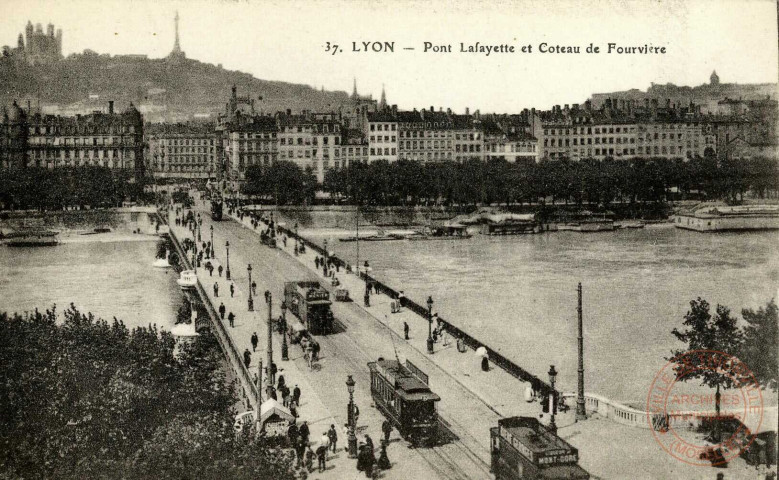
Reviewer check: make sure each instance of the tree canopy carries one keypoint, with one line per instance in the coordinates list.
(87, 398)
(589, 180)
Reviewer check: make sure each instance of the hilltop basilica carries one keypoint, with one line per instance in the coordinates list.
(36, 47)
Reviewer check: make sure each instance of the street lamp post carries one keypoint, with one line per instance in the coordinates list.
(552, 399)
(227, 247)
(213, 253)
(199, 239)
(269, 301)
(325, 245)
(251, 300)
(429, 324)
(296, 239)
(581, 412)
(350, 418)
(284, 348)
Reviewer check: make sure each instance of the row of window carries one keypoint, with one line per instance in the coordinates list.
(81, 154)
(54, 131)
(309, 141)
(414, 144)
(188, 141)
(386, 151)
(613, 129)
(378, 127)
(189, 150)
(78, 141)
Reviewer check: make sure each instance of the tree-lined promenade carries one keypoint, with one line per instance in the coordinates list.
(595, 182)
(53, 189)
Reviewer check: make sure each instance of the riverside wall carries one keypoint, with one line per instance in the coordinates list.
(230, 351)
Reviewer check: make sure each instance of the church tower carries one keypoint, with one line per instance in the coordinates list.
(383, 101)
(354, 90)
(714, 79)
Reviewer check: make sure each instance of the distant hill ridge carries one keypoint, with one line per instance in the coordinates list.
(706, 93)
(171, 89)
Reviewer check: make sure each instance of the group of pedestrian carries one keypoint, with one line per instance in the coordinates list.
(230, 316)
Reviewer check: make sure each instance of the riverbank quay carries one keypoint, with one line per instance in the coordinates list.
(607, 449)
(324, 395)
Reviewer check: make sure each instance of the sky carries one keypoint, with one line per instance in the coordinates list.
(286, 41)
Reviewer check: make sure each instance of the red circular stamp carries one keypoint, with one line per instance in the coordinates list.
(680, 412)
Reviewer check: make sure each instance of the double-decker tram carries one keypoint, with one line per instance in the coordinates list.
(402, 394)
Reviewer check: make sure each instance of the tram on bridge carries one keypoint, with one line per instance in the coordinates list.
(310, 302)
(402, 394)
(216, 209)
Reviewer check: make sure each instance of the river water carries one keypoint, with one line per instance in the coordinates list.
(518, 293)
(108, 274)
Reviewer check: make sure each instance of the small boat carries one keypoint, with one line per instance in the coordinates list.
(31, 238)
(187, 279)
(446, 232)
(633, 225)
(587, 227)
(162, 262)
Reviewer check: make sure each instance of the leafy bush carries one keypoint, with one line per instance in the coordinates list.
(85, 398)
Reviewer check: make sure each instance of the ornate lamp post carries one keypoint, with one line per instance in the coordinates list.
(325, 245)
(213, 254)
(269, 301)
(227, 247)
(284, 348)
(251, 300)
(430, 324)
(350, 418)
(552, 399)
(581, 412)
(296, 239)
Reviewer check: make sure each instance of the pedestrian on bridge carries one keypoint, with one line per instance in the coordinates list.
(222, 311)
(216, 288)
(255, 341)
(231, 319)
(386, 429)
(304, 432)
(296, 394)
(254, 288)
(219, 270)
(232, 289)
(247, 358)
(332, 435)
(405, 330)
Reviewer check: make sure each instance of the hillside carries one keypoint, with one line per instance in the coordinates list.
(702, 94)
(164, 90)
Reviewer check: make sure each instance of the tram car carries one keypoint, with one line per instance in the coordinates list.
(310, 302)
(216, 209)
(402, 394)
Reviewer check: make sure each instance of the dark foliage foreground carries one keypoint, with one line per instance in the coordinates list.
(85, 398)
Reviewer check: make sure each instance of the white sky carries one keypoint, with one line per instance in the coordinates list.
(284, 40)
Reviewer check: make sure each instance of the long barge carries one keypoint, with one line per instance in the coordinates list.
(32, 238)
(724, 218)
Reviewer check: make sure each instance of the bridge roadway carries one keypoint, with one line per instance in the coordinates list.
(346, 353)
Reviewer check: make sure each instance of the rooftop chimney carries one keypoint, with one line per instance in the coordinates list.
(110, 107)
